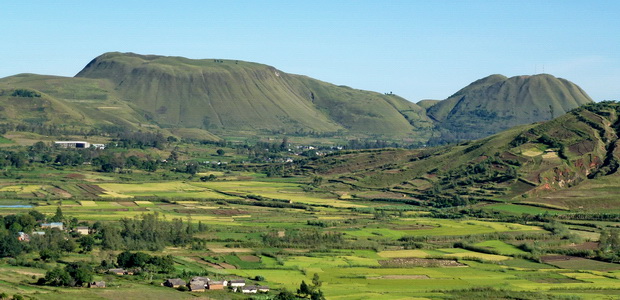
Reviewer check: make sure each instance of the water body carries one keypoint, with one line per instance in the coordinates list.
(16, 206)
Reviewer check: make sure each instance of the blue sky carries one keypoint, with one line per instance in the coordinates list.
(416, 49)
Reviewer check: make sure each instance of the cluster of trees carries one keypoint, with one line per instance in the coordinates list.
(305, 239)
(73, 274)
(139, 139)
(609, 241)
(109, 162)
(146, 232)
(142, 262)
(52, 155)
(359, 144)
(50, 246)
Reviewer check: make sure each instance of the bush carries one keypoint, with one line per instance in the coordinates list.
(183, 288)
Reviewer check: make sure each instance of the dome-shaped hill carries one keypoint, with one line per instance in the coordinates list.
(496, 103)
(229, 95)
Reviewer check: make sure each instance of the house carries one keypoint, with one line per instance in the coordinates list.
(83, 230)
(73, 144)
(78, 145)
(120, 272)
(249, 289)
(199, 278)
(263, 288)
(22, 236)
(216, 285)
(197, 286)
(236, 283)
(57, 225)
(97, 284)
(204, 280)
(174, 282)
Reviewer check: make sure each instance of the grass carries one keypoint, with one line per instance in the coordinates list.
(403, 253)
(172, 189)
(578, 263)
(465, 254)
(500, 247)
(526, 264)
(4, 140)
(523, 209)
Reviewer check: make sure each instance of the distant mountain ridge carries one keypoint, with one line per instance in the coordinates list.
(496, 103)
(228, 98)
(233, 95)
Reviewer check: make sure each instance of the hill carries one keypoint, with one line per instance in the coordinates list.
(212, 98)
(574, 153)
(227, 96)
(496, 103)
(64, 102)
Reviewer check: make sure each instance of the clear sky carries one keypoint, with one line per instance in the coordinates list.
(416, 49)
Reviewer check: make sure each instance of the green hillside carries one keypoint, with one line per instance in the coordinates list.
(61, 101)
(427, 103)
(496, 103)
(212, 98)
(541, 164)
(226, 96)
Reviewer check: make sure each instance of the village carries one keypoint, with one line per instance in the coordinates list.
(195, 283)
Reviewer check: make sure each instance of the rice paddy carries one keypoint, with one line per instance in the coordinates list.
(235, 247)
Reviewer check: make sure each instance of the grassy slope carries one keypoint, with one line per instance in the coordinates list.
(581, 161)
(235, 95)
(495, 103)
(65, 101)
(230, 97)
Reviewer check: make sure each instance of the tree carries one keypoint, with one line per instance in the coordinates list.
(58, 217)
(37, 215)
(110, 238)
(609, 240)
(57, 277)
(174, 156)
(86, 242)
(220, 152)
(284, 144)
(48, 254)
(317, 295)
(67, 245)
(285, 295)
(304, 290)
(191, 168)
(80, 272)
(10, 246)
(316, 281)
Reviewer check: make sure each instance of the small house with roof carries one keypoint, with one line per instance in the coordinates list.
(22, 236)
(216, 285)
(53, 225)
(197, 286)
(83, 230)
(174, 282)
(120, 272)
(249, 289)
(236, 283)
(97, 284)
